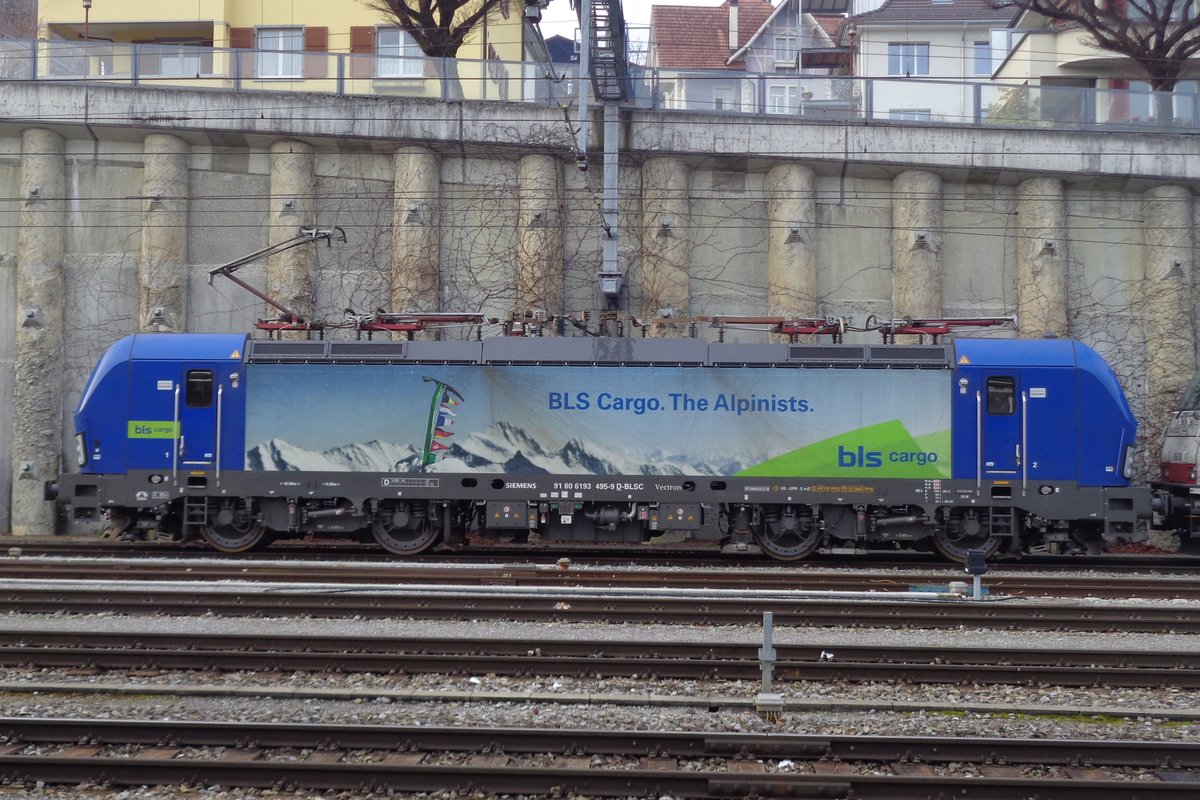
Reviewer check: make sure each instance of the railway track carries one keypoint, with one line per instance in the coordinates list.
(567, 605)
(1186, 561)
(1173, 587)
(591, 763)
(584, 763)
(655, 659)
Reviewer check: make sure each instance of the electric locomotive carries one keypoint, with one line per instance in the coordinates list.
(1176, 486)
(997, 445)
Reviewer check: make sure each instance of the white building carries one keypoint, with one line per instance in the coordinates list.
(747, 56)
(907, 45)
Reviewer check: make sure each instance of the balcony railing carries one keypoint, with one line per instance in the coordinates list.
(813, 98)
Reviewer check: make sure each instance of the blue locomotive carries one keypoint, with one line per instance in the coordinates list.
(989, 444)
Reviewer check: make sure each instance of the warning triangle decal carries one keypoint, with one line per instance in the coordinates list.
(963, 360)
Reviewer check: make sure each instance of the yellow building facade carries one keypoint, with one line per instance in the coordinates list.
(295, 45)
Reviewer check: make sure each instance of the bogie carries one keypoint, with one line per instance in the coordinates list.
(232, 526)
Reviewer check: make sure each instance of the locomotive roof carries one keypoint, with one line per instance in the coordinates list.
(680, 352)
(185, 347)
(1026, 352)
(602, 351)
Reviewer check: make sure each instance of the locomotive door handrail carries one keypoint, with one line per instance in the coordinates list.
(1024, 443)
(220, 391)
(978, 441)
(175, 443)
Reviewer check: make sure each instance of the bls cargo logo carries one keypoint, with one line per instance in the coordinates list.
(862, 457)
(152, 429)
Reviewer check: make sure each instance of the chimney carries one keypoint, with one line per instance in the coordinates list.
(733, 28)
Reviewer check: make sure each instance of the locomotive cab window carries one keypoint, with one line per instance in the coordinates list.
(199, 392)
(1001, 395)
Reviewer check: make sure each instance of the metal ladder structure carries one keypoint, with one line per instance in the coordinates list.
(608, 56)
(195, 515)
(1001, 522)
(604, 57)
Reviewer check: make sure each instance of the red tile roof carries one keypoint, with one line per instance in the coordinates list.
(999, 12)
(832, 25)
(697, 37)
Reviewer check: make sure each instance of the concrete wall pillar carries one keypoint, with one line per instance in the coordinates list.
(1041, 257)
(539, 235)
(1167, 289)
(416, 230)
(666, 243)
(37, 412)
(792, 241)
(162, 268)
(290, 278)
(917, 245)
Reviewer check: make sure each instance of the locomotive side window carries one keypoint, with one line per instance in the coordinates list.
(199, 392)
(1001, 395)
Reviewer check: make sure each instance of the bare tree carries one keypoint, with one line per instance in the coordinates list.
(439, 27)
(1159, 36)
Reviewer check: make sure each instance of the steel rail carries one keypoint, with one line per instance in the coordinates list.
(604, 658)
(880, 612)
(693, 555)
(512, 760)
(401, 738)
(998, 582)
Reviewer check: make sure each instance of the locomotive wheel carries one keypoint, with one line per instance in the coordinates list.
(405, 541)
(787, 545)
(234, 530)
(119, 523)
(953, 542)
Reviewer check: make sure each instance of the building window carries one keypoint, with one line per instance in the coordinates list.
(172, 58)
(397, 55)
(982, 56)
(722, 98)
(180, 62)
(1180, 13)
(908, 58)
(911, 114)
(1144, 104)
(787, 47)
(280, 52)
(783, 98)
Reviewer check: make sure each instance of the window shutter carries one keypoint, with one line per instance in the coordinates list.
(316, 41)
(243, 39)
(362, 45)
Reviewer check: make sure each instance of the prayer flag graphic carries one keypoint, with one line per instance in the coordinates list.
(444, 397)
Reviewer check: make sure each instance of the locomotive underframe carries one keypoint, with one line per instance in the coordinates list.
(786, 518)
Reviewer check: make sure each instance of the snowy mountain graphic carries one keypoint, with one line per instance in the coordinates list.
(278, 455)
(501, 448)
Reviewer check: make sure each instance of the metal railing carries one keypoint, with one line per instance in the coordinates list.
(784, 95)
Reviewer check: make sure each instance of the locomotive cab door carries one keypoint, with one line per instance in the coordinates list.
(198, 407)
(1001, 424)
